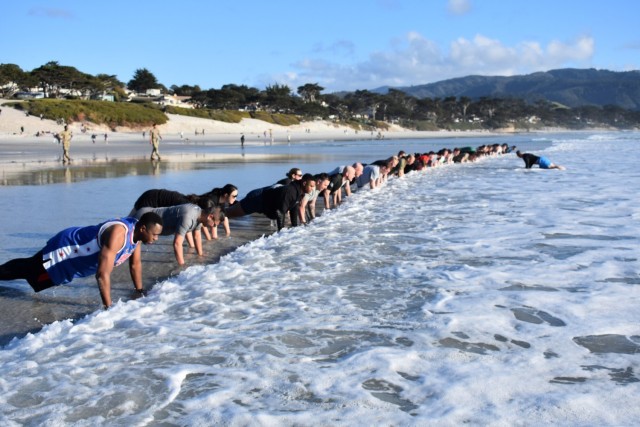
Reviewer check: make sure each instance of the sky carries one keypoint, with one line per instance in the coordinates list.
(337, 44)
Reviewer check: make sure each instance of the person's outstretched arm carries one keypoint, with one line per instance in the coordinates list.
(302, 210)
(227, 229)
(189, 238)
(113, 239)
(135, 268)
(178, 250)
(197, 236)
(326, 196)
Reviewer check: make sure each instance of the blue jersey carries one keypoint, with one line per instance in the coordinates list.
(75, 252)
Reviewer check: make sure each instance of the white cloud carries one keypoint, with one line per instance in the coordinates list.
(418, 60)
(481, 52)
(582, 49)
(459, 7)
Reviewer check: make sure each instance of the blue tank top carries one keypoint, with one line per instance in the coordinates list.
(74, 252)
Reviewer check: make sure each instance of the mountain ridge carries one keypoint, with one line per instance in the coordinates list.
(572, 87)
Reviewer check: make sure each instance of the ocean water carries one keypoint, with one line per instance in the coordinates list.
(479, 293)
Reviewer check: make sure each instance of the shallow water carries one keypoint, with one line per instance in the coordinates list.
(480, 293)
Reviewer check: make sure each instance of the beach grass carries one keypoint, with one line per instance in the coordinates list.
(276, 118)
(112, 114)
(234, 116)
(226, 116)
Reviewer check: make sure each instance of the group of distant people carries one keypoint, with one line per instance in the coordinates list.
(64, 138)
(83, 251)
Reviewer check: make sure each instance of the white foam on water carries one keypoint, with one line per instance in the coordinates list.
(481, 293)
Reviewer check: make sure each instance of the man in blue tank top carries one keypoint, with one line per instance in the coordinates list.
(83, 251)
(542, 162)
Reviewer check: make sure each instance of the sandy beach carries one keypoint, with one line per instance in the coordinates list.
(21, 149)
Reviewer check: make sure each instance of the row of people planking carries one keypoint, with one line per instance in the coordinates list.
(98, 249)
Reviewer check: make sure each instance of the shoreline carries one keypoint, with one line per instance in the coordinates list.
(23, 152)
(31, 160)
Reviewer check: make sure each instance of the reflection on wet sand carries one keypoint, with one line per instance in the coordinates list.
(97, 169)
(71, 174)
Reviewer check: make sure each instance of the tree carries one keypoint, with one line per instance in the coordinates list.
(428, 109)
(449, 107)
(244, 95)
(225, 99)
(54, 77)
(278, 98)
(47, 76)
(229, 97)
(105, 83)
(109, 82)
(11, 78)
(364, 102)
(464, 105)
(142, 80)
(399, 104)
(201, 99)
(487, 107)
(336, 106)
(185, 90)
(310, 92)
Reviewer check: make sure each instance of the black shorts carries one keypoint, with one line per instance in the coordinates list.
(29, 269)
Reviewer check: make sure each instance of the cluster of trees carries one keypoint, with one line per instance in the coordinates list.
(52, 78)
(397, 106)
(308, 101)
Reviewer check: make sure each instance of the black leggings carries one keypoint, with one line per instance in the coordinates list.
(29, 269)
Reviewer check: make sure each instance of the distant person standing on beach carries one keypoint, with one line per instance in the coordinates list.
(65, 137)
(542, 162)
(242, 141)
(85, 251)
(155, 141)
